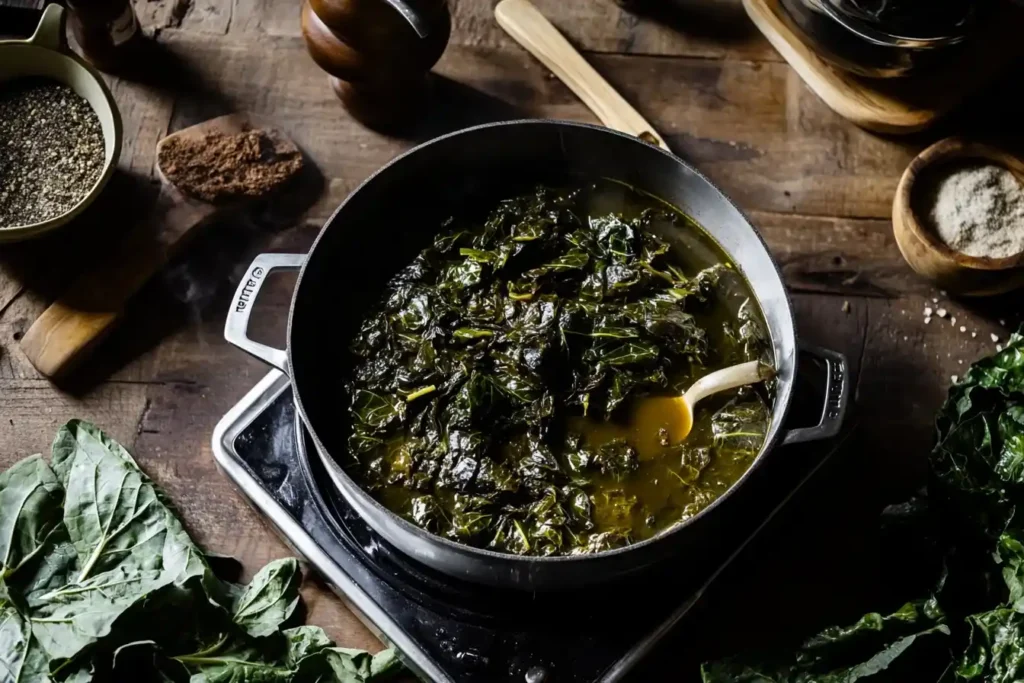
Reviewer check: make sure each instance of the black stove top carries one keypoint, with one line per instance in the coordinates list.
(452, 631)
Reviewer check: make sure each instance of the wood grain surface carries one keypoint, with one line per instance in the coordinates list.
(531, 29)
(65, 334)
(819, 188)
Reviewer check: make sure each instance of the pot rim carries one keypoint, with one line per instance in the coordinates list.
(781, 408)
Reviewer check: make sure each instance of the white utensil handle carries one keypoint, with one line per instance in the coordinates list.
(533, 31)
(725, 379)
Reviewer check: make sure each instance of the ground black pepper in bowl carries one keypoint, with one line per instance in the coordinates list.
(51, 151)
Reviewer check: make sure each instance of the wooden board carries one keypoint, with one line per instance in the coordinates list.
(67, 332)
(901, 105)
(819, 189)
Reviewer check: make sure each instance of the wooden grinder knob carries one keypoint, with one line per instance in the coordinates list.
(377, 52)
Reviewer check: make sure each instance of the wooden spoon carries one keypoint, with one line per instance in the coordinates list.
(72, 326)
(533, 31)
(675, 413)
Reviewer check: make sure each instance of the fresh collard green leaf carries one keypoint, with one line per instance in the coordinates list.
(127, 543)
(316, 659)
(242, 665)
(22, 660)
(30, 511)
(101, 583)
(872, 649)
(270, 598)
(308, 657)
(345, 665)
(995, 653)
(978, 463)
(1010, 554)
(304, 641)
(112, 511)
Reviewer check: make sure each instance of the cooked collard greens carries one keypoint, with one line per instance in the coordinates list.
(491, 389)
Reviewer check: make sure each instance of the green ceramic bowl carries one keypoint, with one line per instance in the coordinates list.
(43, 55)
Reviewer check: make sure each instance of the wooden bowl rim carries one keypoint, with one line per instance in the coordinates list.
(940, 153)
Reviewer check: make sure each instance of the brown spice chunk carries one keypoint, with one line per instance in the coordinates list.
(218, 167)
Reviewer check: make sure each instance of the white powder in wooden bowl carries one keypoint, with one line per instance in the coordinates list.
(978, 210)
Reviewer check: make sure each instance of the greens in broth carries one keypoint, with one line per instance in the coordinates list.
(493, 386)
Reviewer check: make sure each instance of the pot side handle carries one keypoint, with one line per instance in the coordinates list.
(837, 398)
(236, 326)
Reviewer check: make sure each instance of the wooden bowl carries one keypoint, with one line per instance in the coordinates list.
(924, 250)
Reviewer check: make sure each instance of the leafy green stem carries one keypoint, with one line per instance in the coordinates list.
(423, 391)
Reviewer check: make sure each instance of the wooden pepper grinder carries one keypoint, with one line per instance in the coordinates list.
(377, 52)
(107, 31)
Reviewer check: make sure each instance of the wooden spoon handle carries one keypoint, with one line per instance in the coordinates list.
(73, 324)
(529, 28)
(725, 379)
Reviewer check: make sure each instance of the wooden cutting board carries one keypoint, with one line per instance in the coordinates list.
(73, 325)
(895, 105)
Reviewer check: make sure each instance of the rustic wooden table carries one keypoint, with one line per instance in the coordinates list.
(818, 188)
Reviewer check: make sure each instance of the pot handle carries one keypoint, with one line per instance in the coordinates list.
(50, 31)
(837, 398)
(236, 326)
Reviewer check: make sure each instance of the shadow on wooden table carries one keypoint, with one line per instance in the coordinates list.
(193, 290)
(723, 22)
(45, 265)
(1005, 310)
(989, 116)
(454, 106)
(162, 69)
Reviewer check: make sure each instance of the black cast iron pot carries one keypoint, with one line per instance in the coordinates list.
(395, 213)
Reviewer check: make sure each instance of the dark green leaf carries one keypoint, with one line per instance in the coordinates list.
(345, 665)
(30, 511)
(1010, 554)
(869, 650)
(105, 588)
(304, 641)
(551, 306)
(616, 459)
(996, 650)
(270, 598)
(127, 543)
(22, 660)
(740, 425)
